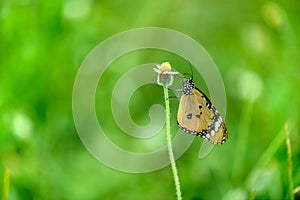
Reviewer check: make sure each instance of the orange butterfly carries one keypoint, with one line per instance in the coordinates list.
(196, 115)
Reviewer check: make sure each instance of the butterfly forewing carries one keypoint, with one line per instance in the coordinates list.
(189, 117)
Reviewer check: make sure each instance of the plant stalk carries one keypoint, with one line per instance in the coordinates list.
(169, 141)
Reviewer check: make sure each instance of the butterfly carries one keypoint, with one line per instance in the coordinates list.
(198, 116)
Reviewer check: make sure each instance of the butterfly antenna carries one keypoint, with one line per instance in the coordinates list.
(188, 75)
(191, 66)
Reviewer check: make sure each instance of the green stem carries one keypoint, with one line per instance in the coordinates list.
(289, 158)
(171, 155)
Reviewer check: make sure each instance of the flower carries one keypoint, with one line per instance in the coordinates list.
(165, 75)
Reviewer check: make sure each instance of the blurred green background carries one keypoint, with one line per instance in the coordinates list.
(255, 45)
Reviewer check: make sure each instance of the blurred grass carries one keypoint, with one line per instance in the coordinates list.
(5, 181)
(289, 161)
(43, 43)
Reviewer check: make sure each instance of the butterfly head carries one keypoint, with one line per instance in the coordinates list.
(188, 86)
(190, 81)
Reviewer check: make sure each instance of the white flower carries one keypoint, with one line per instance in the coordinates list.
(165, 75)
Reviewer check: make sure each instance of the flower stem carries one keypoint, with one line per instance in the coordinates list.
(171, 155)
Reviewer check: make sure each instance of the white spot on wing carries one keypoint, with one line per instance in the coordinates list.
(212, 133)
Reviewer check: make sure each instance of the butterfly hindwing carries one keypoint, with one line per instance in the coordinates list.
(215, 131)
